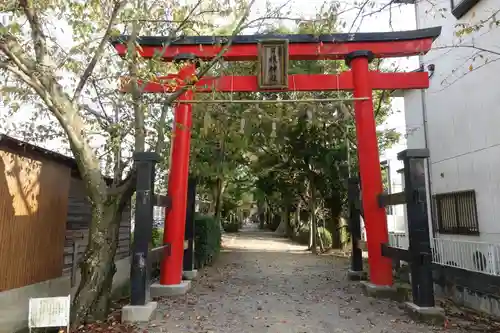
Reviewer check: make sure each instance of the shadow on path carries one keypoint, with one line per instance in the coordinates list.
(263, 283)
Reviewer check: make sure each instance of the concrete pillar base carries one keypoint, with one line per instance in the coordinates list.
(356, 275)
(190, 275)
(158, 290)
(138, 313)
(388, 292)
(431, 315)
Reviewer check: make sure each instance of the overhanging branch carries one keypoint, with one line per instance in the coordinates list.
(37, 35)
(22, 76)
(204, 70)
(99, 51)
(99, 117)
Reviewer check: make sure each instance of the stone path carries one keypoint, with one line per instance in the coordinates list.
(261, 283)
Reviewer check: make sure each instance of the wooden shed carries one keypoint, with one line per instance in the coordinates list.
(44, 215)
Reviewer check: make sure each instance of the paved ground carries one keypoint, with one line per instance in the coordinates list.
(261, 283)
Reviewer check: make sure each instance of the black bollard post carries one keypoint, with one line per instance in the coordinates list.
(418, 226)
(356, 272)
(189, 271)
(139, 271)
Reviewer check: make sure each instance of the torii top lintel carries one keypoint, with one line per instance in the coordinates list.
(301, 47)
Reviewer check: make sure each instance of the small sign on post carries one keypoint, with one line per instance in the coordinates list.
(273, 64)
(49, 312)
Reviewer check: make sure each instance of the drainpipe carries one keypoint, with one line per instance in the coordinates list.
(423, 99)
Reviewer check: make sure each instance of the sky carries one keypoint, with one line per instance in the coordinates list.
(398, 18)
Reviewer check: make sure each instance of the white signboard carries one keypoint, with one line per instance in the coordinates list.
(49, 312)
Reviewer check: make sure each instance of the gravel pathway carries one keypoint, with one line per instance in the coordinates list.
(261, 283)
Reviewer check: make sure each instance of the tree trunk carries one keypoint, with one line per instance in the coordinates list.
(344, 233)
(333, 224)
(321, 245)
(309, 226)
(296, 226)
(284, 226)
(211, 207)
(335, 231)
(291, 222)
(314, 234)
(281, 230)
(92, 299)
(314, 225)
(261, 213)
(219, 190)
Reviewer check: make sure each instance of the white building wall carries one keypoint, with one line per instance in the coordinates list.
(415, 132)
(463, 111)
(396, 220)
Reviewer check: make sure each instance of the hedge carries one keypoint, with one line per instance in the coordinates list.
(302, 236)
(207, 239)
(231, 225)
(326, 237)
(157, 237)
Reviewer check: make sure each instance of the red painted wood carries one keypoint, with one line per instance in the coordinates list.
(371, 177)
(306, 51)
(171, 266)
(298, 82)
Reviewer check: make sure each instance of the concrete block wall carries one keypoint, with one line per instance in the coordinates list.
(14, 303)
(487, 304)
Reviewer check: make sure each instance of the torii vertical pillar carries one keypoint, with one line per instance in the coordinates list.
(369, 167)
(171, 266)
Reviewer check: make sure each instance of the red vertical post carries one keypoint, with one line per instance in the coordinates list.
(369, 166)
(173, 234)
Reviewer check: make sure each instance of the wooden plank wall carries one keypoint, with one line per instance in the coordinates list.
(33, 203)
(78, 221)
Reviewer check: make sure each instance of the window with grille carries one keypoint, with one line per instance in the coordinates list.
(456, 213)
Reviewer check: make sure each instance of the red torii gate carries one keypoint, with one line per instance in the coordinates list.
(358, 49)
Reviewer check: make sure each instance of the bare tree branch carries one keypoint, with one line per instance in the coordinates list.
(99, 51)
(99, 99)
(464, 74)
(99, 117)
(21, 76)
(359, 13)
(136, 90)
(52, 94)
(37, 35)
(10, 47)
(172, 97)
(468, 46)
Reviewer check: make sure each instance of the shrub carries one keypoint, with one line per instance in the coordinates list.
(231, 225)
(326, 237)
(207, 239)
(302, 236)
(157, 237)
(274, 222)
